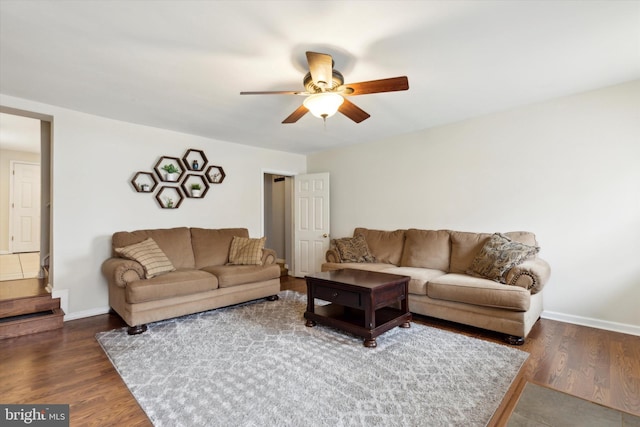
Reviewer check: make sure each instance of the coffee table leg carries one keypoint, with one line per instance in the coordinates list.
(310, 323)
(370, 342)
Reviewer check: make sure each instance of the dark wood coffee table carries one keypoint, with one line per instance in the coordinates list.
(361, 302)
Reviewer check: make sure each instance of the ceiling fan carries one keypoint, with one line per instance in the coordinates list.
(326, 91)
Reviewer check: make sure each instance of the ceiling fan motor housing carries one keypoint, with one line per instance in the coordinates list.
(337, 80)
(325, 98)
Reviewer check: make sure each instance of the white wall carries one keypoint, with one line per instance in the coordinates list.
(566, 169)
(94, 159)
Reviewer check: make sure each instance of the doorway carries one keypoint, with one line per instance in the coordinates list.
(24, 207)
(25, 147)
(296, 220)
(278, 191)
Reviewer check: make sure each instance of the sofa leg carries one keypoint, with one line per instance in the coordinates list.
(273, 298)
(138, 329)
(513, 340)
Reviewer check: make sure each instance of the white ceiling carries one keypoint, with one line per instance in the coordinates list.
(181, 64)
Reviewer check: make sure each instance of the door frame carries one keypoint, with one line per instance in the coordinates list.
(46, 187)
(12, 181)
(262, 204)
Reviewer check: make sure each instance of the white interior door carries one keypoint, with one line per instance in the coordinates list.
(311, 213)
(25, 207)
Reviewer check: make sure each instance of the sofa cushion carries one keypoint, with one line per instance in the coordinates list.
(174, 242)
(211, 246)
(385, 246)
(149, 255)
(419, 277)
(478, 291)
(169, 285)
(498, 255)
(368, 266)
(246, 251)
(465, 246)
(354, 249)
(427, 248)
(233, 275)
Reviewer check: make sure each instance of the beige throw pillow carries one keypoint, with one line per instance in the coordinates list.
(354, 249)
(246, 251)
(149, 255)
(498, 256)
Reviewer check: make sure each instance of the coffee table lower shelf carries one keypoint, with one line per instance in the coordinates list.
(352, 320)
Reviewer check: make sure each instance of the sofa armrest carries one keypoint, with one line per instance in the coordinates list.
(121, 271)
(532, 275)
(268, 256)
(332, 255)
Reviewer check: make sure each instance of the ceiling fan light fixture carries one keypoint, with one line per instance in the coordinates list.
(323, 105)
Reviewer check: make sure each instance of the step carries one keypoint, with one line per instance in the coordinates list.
(35, 304)
(32, 323)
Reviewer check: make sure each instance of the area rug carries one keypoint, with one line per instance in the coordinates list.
(542, 406)
(256, 364)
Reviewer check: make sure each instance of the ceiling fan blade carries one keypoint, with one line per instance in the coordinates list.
(352, 111)
(276, 92)
(296, 115)
(321, 68)
(376, 86)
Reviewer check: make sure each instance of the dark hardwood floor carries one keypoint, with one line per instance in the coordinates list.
(68, 366)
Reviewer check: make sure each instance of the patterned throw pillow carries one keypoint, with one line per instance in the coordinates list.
(498, 256)
(149, 255)
(246, 251)
(354, 249)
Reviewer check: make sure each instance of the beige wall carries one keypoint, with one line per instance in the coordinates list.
(566, 169)
(6, 156)
(94, 159)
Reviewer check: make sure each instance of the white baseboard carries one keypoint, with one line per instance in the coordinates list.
(624, 328)
(592, 323)
(86, 313)
(63, 294)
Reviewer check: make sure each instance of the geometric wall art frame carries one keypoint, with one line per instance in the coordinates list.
(175, 179)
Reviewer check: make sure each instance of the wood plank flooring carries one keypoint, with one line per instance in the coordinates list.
(68, 366)
(21, 288)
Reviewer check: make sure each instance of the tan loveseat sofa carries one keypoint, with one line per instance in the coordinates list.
(202, 278)
(444, 285)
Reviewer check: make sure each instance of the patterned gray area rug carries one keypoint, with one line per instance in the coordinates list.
(256, 364)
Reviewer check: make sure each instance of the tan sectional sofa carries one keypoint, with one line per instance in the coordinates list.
(443, 284)
(202, 279)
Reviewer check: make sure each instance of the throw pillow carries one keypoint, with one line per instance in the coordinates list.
(354, 249)
(498, 256)
(149, 255)
(246, 251)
